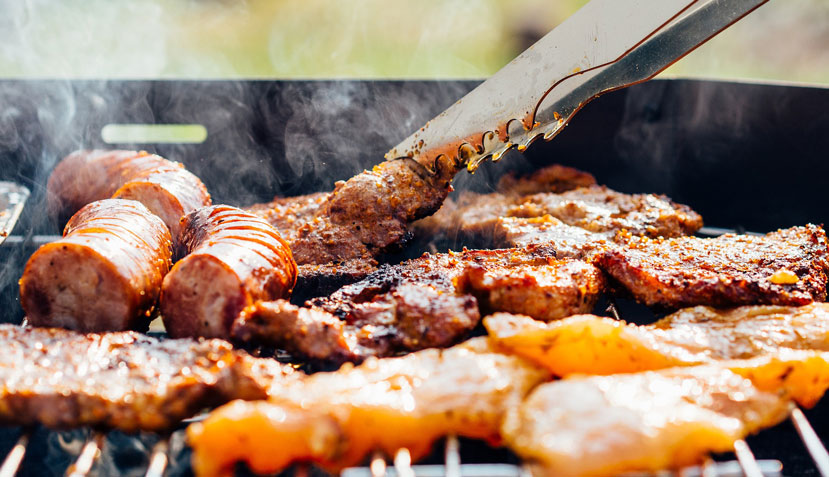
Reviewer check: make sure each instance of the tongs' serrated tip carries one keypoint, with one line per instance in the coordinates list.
(591, 53)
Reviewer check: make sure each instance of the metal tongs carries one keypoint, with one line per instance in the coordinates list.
(605, 46)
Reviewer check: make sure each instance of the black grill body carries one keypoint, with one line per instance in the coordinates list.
(747, 156)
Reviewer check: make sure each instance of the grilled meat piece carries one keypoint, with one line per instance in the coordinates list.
(104, 274)
(588, 344)
(384, 404)
(545, 292)
(605, 425)
(411, 318)
(559, 287)
(552, 178)
(123, 380)
(426, 302)
(786, 267)
(233, 258)
(163, 186)
(361, 218)
(573, 214)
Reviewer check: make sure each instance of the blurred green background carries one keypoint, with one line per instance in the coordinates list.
(783, 40)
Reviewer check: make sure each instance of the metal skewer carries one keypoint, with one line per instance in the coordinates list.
(15, 457)
(158, 460)
(452, 457)
(811, 441)
(86, 459)
(613, 309)
(403, 463)
(378, 465)
(746, 459)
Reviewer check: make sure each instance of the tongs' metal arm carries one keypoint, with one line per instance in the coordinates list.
(607, 45)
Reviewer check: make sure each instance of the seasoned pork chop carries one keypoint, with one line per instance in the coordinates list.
(560, 208)
(558, 288)
(361, 218)
(786, 267)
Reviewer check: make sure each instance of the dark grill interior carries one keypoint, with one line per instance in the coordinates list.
(746, 156)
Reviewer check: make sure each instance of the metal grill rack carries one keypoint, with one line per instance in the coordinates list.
(401, 463)
(739, 152)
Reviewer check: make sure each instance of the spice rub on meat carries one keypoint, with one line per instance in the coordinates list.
(587, 344)
(412, 318)
(360, 219)
(336, 419)
(557, 206)
(431, 301)
(786, 267)
(122, 380)
(497, 278)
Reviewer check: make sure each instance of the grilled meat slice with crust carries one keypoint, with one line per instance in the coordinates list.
(410, 318)
(606, 425)
(383, 404)
(328, 255)
(472, 271)
(233, 259)
(124, 380)
(556, 206)
(425, 302)
(361, 218)
(786, 267)
(588, 344)
(545, 292)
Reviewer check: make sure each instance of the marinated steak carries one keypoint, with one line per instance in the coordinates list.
(786, 267)
(431, 301)
(573, 215)
(361, 218)
(410, 318)
(534, 282)
(124, 380)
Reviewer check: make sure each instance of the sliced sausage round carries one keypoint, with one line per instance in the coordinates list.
(104, 274)
(165, 187)
(233, 259)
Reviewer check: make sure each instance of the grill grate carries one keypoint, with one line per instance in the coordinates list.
(745, 464)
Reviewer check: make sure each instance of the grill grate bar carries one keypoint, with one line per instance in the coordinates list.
(709, 468)
(378, 465)
(403, 463)
(158, 460)
(86, 459)
(811, 441)
(452, 457)
(15, 457)
(746, 459)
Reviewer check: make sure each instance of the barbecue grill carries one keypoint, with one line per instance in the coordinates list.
(747, 156)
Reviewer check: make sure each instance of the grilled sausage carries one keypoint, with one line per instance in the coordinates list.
(165, 187)
(104, 274)
(234, 259)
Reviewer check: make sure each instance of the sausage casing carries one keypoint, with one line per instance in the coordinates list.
(165, 187)
(104, 274)
(233, 258)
